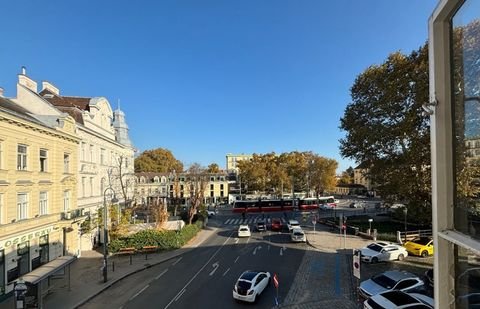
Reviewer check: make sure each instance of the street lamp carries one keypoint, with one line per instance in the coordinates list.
(105, 230)
(370, 226)
(405, 211)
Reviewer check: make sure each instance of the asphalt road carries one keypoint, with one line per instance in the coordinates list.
(204, 277)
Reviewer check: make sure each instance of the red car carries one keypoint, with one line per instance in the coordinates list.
(276, 224)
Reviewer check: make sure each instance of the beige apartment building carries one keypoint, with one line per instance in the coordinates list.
(233, 159)
(150, 185)
(39, 221)
(105, 152)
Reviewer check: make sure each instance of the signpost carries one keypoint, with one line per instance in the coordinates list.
(356, 267)
(276, 283)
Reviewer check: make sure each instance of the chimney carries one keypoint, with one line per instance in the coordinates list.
(1, 92)
(26, 81)
(48, 86)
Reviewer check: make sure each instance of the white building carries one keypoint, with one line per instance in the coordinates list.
(105, 152)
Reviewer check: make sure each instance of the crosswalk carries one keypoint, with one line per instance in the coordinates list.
(250, 220)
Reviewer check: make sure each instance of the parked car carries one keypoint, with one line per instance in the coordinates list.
(276, 224)
(250, 285)
(382, 251)
(421, 246)
(298, 235)
(399, 299)
(261, 226)
(336, 201)
(211, 213)
(291, 224)
(327, 206)
(244, 231)
(471, 300)
(389, 281)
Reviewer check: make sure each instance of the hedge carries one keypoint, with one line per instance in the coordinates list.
(164, 240)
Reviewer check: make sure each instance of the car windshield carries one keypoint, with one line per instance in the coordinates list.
(375, 247)
(422, 241)
(243, 229)
(384, 281)
(244, 284)
(248, 275)
(298, 233)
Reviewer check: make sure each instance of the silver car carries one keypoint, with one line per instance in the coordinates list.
(388, 281)
(397, 300)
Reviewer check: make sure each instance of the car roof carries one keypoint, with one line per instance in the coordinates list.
(297, 229)
(243, 225)
(292, 221)
(399, 275)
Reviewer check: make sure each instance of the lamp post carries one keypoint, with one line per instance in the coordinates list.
(105, 230)
(405, 211)
(370, 225)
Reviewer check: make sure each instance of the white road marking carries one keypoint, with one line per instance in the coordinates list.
(139, 292)
(256, 248)
(225, 272)
(215, 266)
(248, 240)
(198, 272)
(228, 221)
(161, 274)
(180, 294)
(236, 240)
(178, 260)
(236, 259)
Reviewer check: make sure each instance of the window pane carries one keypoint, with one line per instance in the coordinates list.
(466, 91)
(467, 278)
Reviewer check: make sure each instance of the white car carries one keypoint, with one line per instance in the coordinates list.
(211, 213)
(399, 299)
(244, 231)
(383, 251)
(291, 224)
(250, 285)
(298, 235)
(389, 281)
(327, 206)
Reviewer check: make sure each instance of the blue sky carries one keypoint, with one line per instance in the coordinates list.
(207, 78)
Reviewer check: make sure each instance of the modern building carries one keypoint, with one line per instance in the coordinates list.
(454, 54)
(233, 159)
(105, 151)
(39, 218)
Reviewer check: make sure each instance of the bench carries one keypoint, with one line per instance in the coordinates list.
(126, 251)
(149, 249)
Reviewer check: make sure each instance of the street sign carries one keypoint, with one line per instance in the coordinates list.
(356, 263)
(275, 280)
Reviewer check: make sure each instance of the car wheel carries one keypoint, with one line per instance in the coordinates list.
(401, 257)
(374, 260)
(424, 253)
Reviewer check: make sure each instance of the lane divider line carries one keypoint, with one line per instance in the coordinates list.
(236, 259)
(139, 292)
(178, 260)
(161, 274)
(180, 294)
(226, 272)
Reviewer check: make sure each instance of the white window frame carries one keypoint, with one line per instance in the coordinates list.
(92, 154)
(66, 200)
(91, 186)
(43, 203)
(22, 206)
(84, 180)
(22, 158)
(102, 156)
(44, 162)
(82, 151)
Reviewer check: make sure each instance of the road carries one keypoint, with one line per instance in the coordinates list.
(204, 277)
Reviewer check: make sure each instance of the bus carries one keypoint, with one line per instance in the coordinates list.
(252, 206)
(312, 203)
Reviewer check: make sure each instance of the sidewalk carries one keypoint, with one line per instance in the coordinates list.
(87, 277)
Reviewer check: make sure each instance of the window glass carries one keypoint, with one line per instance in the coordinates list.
(466, 110)
(43, 160)
(467, 278)
(21, 157)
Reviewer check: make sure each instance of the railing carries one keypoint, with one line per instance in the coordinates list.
(403, 237)
(72, 214)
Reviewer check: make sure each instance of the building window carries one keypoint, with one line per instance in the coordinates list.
(92, 155)
(221, 186)
(1, 154)
(82, 152)
(91, 186)
(466, 107)
(43, 160)
(221, 193)
(102, 156)
(66, 200)
(66, 163)
(21, 157)
(211, 187)
(22, 206)
(84, 180)
(1, 209)
(43, 209)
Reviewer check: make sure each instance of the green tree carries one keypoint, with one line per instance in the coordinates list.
(158, 160)
(387, 130)
(347, 176)
(213, 168)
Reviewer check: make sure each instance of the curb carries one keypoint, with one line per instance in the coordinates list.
(144, 267)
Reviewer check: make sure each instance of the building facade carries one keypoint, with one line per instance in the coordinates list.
(454, 55)
(39, 218)
(105, 151)
(233, 159)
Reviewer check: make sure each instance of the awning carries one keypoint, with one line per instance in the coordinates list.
(48, 269)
